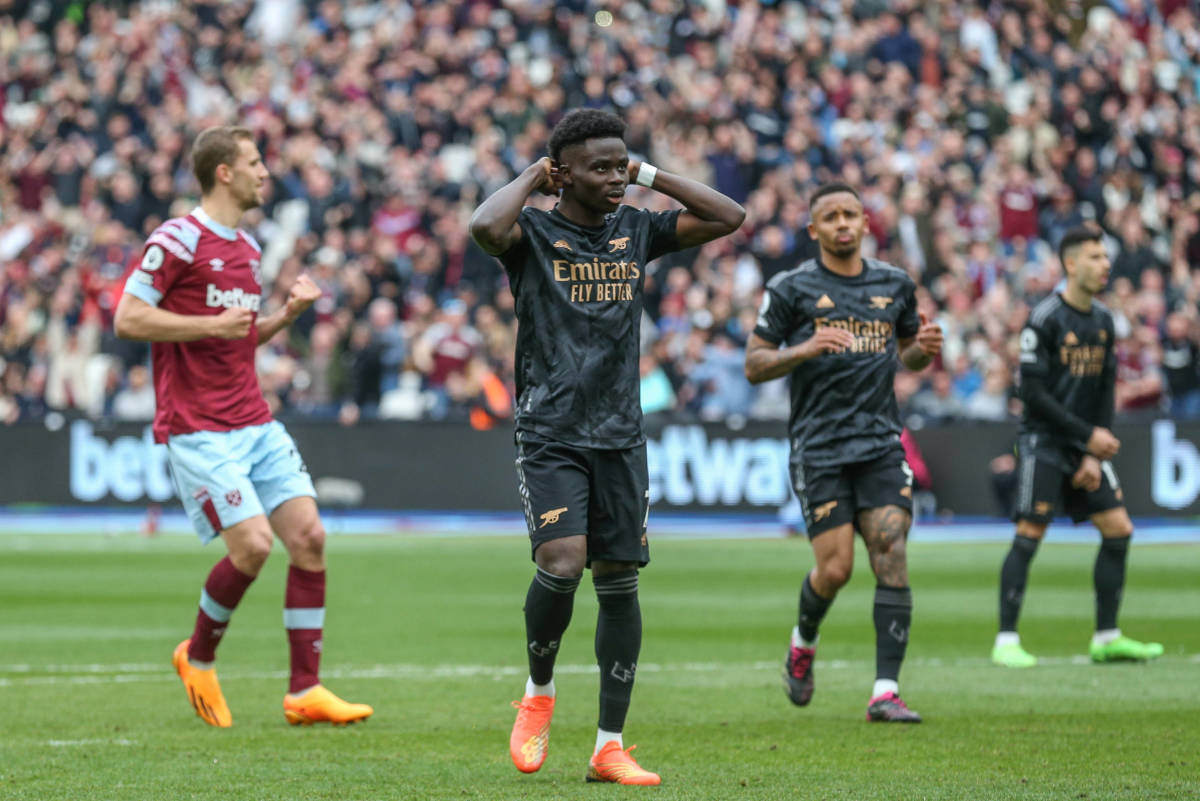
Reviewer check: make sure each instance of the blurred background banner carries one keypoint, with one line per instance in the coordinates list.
(961, 469)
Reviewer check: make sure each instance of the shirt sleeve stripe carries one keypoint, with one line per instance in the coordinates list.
(142, 291)
(176, 247)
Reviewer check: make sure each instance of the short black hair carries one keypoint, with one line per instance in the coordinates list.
(1075, 237)
(581, 125)
(831, 189)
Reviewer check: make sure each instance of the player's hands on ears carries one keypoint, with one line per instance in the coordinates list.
(304, 293)
(1087, 477)
(828, 340)
(233, 323)
(550, 182)
(929, 336)
(1102, 444)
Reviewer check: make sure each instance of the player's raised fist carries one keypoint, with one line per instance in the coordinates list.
(929, 336)
(233, 323)
(550, 181)
(303, 294)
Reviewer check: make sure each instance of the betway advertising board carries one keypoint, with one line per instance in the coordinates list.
(448, 467)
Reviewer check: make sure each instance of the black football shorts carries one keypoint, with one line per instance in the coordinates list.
(604, 494)
(1044, 486)
(832, 496)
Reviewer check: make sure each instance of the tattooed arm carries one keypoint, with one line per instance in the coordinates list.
(765, 360)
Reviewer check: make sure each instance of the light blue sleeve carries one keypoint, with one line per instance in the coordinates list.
(137, 286)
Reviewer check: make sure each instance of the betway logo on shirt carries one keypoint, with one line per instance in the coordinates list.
(217, 298)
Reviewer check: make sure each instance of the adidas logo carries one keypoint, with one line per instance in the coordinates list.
(825, 302)
(1070, 339)
(562, 244)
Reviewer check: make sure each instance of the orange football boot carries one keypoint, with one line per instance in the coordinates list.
(318, 705)
(203, 689)
(612, 764)
(530, 739)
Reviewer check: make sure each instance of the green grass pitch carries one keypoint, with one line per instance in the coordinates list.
(429, 630)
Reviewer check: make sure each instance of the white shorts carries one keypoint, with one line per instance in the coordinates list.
(225, 477)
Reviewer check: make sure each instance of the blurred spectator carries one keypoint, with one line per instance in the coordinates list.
(656, 391)
(135, 401)
(991, 400)
(442, 355)
(1181, 366)
(939, 402)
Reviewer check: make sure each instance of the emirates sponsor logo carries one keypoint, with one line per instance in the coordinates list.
(217, 298)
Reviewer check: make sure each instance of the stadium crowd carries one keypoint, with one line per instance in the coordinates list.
(978, 133)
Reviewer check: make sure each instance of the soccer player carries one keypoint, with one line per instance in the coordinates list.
(1068, 376)
(842, 320)
(577, 273)
(196, 297)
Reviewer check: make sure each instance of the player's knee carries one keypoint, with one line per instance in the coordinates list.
(559, 558)
(309, 539)
(1121, 529)
(1030, 529)
(249, 553)
(835, 574)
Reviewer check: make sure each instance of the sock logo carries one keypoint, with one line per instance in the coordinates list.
(898, 632)
(543, 650)
(218, 633)
(318, 645)
(623, 674)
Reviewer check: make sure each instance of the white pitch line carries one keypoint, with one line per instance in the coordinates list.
(130, 674)
(76, 743)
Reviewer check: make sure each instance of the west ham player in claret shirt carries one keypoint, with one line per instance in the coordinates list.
(837, 326)
(196, 296)
(577, 273)
(1064, 444)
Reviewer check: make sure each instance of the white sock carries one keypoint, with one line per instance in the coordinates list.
(1105, 636)
(539, 689)
(604, 737)
(800, 642)
(1007, 638)
(885, 686)
(200, 665)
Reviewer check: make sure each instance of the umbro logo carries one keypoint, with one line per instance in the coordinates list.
(551, 517)
(217, 264)
(825, 302)
(1070, 339)
(823, 511)
(562, 244)
(880, 302)
(621, 243)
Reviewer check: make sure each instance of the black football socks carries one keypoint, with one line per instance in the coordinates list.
(548, 607)
(1109, 578)
(1014, 573)
(893, 616)
(618, 643)
(812, 611)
